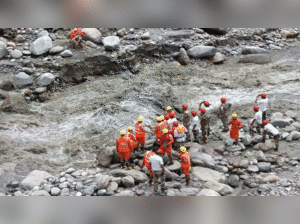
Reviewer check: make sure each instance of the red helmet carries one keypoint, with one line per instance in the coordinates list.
(265, 122)
(223, 99)
(256, 108)
(184, 106)
(263, 95)
(194, 113)
(206, 103)
(172, 114)
(167, 117)
(175, 124)
(202, 110)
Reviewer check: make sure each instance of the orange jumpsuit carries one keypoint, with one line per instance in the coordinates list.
(124, 147)
(185, 162)
(76, 33)
(140, 133)
(170, 113)
(158, 130)
(234, 132)
(133, 139)
(147, 163)
(165, 138)
(165, 125)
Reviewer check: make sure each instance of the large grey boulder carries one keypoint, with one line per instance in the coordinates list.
(255, 59)
(42, 33)
(45, 79)
(105, 156)
(35, 178)
(41, 46)
(253, 50)
(22, 80)
(56, 50)
(128, 181)
(102, 181)
(190, 191)
(111, 43)
(208, 192)
(222, 189)
(202, 51)
(260, 156)
(268, 145)
(247, 140)
(92, 34)
(282, 123)
(175, 167)
(205, 174)
(296, 125)
(202, 159)
(3, 50)
(138, 176)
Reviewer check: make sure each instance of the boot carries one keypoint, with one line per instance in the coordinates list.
(128, 166)
(276, 149)
(122, 165)
(150, 183)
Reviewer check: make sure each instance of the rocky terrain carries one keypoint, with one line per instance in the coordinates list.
(62, 108)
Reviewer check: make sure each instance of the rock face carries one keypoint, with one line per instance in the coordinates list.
(15, 103)
(183, 58)
(253, 50)
(41, 46)
(218, 58)
(202, 51)
(92, 34)
(102, 181)
(208, 192)
(35, 178)
(111, 43)
(255, 59)
(22, 80)
(45, 79)
(206, 174)
(222, 189)
(3, 50)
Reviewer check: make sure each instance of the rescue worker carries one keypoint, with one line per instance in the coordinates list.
(208, 107)
(76, 36)
(169, 110)
(185, 164)
(195, 126)
(156, 165)
(158, 128)
(186, 119)
(130, 135)
(234, 132)
(164, 121)
(165, 143)
(147, 164)
(204, 125)
(140, 133)
(124, 148)
(256, 121)
(262, 104)
(271, 131)
(179, 135)
(223, 113)
(172, 119)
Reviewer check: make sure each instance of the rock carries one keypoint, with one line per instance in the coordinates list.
(70, 170)
(111, 43)
(52, 36)
(296, 125)
(295, 135)
(255, 58)
(264, 167)
(280, 161)
(19, 39)
(218, 58)
(56, 50)
(66, 53)
(175, 167)
(125, 193)
(102, 181)
(102, 192)
(229, 142)
(121, 32)
(145, 36)
(18, 193)
(64, 185)
(112, 186)
(202, 51)
(208, 192)
(282, 123)
(7, 86)
(130, 48)
(117, 180)
(78, 186)
(268, 145)
(3, 95)
(16, 54)
(45, 79)
(274, 47)
(26, 53)
(105, 156)
(40, 90)
(260, 156)
(190, 191)
(222, 189)
(202, 159)
(222, 169)
(3, 50)
(242, 163)
(183, 58)
(289, 33)
(16, 104)
(65, 192)
(15, 184)
(252, 169)
(63, 179)
(43, 33)
(215, 31)
(289, 138)
(22, 80)
(91, 44)
(233, 181)
(247, 140)
(205, 174)
(128, 181)
(39, 193)
(90, 190)
(41, 46)
(138, 176)
(253, 50)
(265, 178)
(285, 135)
(252, 183)
(55, 191)
(92, 34)
(291, 114)
(35, 178)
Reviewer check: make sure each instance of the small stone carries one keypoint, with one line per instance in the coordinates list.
(66, 53)
(55, 191)
(78, 194)
(16, 54)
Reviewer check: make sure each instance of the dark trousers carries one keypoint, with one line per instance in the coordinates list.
(264, 117)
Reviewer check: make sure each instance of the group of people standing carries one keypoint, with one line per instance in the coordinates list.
(170, 134)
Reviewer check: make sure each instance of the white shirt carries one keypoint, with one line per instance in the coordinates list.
(270, 128)
(208, 109)
(195, 121)
(262, 104)
(180, 137)
(258, 117)
(156, 162)
(170, 122)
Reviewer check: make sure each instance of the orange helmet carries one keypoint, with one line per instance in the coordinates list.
(206, 103)
(167, 117)
(256, 108)
(194, 113)
(265, 122)
(263, 95)
(223, 99)
(202, 110)
(172, 114)
(184, 106)
(175, 124)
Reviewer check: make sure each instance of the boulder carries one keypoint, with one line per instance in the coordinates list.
(255, 58)
(19, 39)
(291, 114)
(29, 71)
(112, 186)
(66, 53)
(240, 163)
(202, 51)
(252, 169)
(35, 178)
(65, 192)
(3, 50)
(175, 167)
(282, 123)
(111, 43)
(102, 181)
(268, 145)
(222, 169)
(56, 50)
(22, 80)
(105, 156)
(260, 156)
(253, 50)
(205, 174)
(117, 180)
(39, 193)
(222, 189)
(41, 46)
(183, 58)
(208, 192)
(264, 167)
(295, 135)
(233, 181)
(290, 129)
(128, 181)
(90, 190)
(3, 95)
(26, 53)
(289, 138)
(218, 58)
(285, 135)
(55, 191)
(91, 44)
(138, 176)
(42, 33)
(15, 103)
(265, 178)
(45, 79)
(252, 183)
(125, 193)
(92, 34)
(289, 33)
(121, 32)
(202, 158)
(190, 191)
(16, 54)
(296, 125)
(7, 86)
(130, 48)
(145, 36)
(247, 140)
